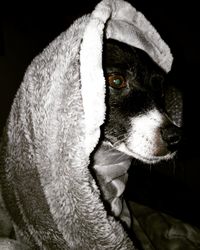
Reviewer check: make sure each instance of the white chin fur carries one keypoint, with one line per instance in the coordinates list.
(144, 158)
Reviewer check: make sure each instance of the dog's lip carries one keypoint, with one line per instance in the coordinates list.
(152, 159)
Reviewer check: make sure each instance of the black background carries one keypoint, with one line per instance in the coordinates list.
(26, 29)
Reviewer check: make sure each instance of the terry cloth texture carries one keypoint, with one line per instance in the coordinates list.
(54, 125)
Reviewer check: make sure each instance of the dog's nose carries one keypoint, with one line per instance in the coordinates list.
(171, 134)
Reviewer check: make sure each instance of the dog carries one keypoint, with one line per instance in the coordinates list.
(137, 124)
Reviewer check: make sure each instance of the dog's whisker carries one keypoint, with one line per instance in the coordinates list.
(120, 157)
(118, 142)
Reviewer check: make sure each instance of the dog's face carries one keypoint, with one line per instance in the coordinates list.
(137, 123)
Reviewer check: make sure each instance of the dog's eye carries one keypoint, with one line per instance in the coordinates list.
(116, 81)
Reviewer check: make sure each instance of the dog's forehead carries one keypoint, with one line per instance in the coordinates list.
(118, 52)
(122, 55)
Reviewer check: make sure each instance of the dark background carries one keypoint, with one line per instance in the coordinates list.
(25, 30)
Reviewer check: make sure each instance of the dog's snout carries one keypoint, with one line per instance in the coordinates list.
(171, 135)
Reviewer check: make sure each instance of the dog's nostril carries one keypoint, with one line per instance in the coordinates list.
(171, 135)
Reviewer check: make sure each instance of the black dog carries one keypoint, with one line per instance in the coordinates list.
(137, 125)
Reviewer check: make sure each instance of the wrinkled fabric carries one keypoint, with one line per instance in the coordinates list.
(157, 230)
(111, 170)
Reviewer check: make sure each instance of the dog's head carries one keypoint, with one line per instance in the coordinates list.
(137, 123)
